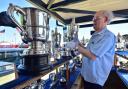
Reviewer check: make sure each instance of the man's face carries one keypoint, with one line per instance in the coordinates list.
(99, 21)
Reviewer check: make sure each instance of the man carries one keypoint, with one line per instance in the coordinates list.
(98, 56)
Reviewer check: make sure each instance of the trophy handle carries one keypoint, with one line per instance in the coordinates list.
(10, 12)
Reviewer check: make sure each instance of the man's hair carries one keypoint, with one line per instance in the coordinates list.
(108, 14)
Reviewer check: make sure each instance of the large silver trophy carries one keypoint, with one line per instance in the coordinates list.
(34, 26)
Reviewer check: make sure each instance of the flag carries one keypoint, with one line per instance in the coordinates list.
(2, 31)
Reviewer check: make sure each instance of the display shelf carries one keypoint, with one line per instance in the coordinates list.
(123, 54)
(122, 71)
(25, 80)
(68, 85)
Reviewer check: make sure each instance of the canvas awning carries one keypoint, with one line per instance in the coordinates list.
(83, 10)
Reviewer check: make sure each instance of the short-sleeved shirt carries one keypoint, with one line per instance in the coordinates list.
(102, 45)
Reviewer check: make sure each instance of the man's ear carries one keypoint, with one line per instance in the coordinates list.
(106, 19)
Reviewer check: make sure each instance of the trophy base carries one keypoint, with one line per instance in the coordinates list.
(34, 64)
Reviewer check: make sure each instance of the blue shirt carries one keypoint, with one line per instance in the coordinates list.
(102, 45)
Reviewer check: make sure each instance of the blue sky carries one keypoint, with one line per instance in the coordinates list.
(9, 33)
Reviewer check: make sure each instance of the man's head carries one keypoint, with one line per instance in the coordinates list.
(101, 19)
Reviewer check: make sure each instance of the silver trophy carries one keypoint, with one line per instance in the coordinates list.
(72, 36)
(53, 79)
(34, 29)
(55, 43)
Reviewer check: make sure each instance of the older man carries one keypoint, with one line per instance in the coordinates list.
(98, 56)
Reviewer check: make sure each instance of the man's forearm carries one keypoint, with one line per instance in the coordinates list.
(86, 52)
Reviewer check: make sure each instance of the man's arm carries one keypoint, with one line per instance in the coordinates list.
(86, 52)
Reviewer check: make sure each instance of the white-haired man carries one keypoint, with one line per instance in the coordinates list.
(98, 56)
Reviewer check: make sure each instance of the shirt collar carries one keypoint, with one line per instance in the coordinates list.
(101, 32)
